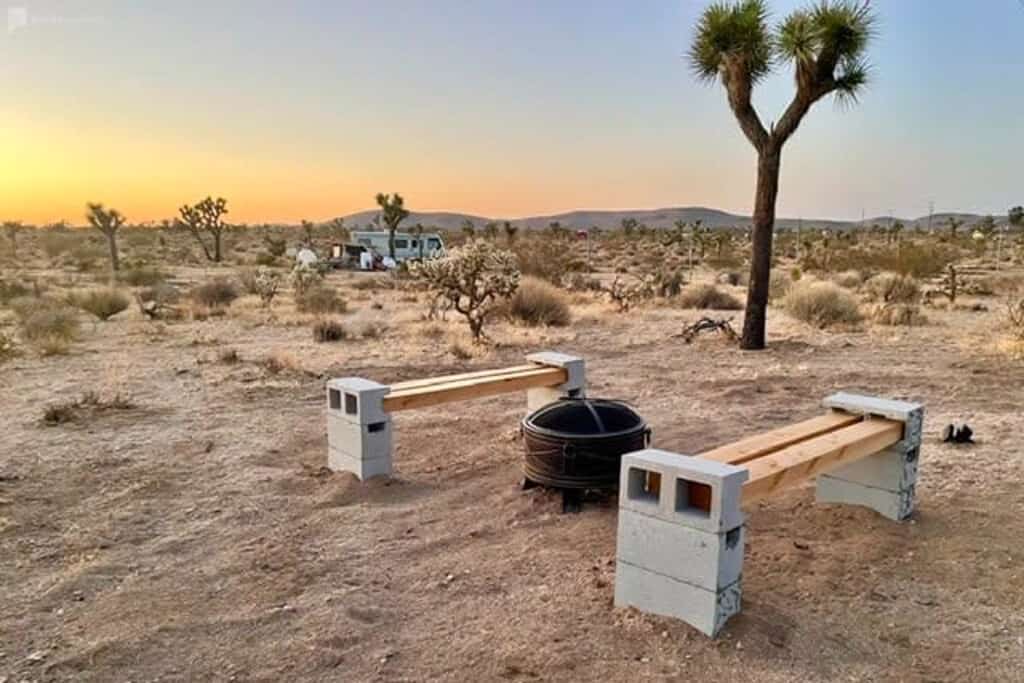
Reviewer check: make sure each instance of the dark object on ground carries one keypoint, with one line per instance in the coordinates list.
(576, 445)
(723, 325)
(958, 434)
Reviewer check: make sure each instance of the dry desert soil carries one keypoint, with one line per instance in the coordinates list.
(197, 535)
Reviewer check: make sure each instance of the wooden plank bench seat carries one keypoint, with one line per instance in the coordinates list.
(681, 534)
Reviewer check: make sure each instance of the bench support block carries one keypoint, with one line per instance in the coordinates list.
(358, 428)
(574, 387)
(679, 551)
(886, 481)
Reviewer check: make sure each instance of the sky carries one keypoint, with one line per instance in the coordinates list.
(305, 110)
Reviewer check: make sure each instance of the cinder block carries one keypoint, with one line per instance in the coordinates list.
(357, 400)
(705, 610)
(367, 442)
(890, 469)
(576, 383)
(707, 560)
(895, 505)
(680, 476)
(339, 461)
(911, 414)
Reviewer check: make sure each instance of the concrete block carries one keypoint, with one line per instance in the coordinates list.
(890, 469)
(706, 560)
(357, 400)
(895, 505)
(574, 387)
(911, 414)
(701, 494)
(705, 610)
(338, 461)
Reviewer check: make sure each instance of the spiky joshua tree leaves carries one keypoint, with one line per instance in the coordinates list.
(392, 212)
(735, 44)
(107, 221)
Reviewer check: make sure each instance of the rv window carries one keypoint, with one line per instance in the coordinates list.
(415, 243)
(433, 243)
(366, 241)
(401, 244)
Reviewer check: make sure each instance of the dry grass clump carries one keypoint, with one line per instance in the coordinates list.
(142, 277)
(7, 348)
(1015, 319)
(280, 361)
(90, 404)
(851, 279)
(821, 304)
(102, 303)
(48, 325)
(325, 330)
(217, 293)
(892, 288)
(538, 302)
(10, 290)
(896, 314)
(779, 283)
(703, 295)
(320, 300)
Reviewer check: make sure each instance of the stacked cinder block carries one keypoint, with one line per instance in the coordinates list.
(886, 481)
(358, 428)
(680, 538)
(573, 387)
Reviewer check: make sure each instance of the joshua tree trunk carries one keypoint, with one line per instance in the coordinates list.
(216, 247)
(768, 163)
(115, 263)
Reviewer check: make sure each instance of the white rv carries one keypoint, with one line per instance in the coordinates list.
(407, 245)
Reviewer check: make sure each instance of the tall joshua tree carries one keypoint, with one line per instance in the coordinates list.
(734, 44)
(392, 209)
(107, 221)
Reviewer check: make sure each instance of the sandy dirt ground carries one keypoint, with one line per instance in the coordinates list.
(198, 536)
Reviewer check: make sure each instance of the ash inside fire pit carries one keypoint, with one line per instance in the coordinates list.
(576, 444)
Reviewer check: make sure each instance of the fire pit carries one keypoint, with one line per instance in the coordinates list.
(575, 445)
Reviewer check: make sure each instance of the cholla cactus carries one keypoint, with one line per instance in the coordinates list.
(627, 293)
(304, 277)
(472, 278)
(266, 284)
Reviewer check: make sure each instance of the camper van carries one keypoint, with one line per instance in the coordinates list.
(407, 245)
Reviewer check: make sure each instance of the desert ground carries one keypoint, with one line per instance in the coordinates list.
(181, 525)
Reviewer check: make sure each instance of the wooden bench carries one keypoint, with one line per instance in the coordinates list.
(359, 430)
(680, 528)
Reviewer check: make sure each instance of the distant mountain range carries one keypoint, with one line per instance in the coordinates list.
(654, 218)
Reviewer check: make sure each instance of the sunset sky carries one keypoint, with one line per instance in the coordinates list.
(504, 108)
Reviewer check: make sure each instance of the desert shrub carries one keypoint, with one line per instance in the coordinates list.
(851, 279)
(459, 351)
(320, 300)
(628, 292)
(304, 278)
(538, 302)
(581, 283)
(90, 404)
(896, 314)
(7, 348)
(669, 283)
(474, 278)
(84, 256)
(779, 283)
(57, 242)
(102, 303)
(821, 303)
(229, 356)
(10, 290)
(703, 295)
(543, 258)
(370, 283)
(265, 259)
(247, 280)
(1015, 319)
(142, 276)
(219, 292)
(280, 361)
(329, 331)
(50, 326)
(892, 288)
(730, 277)
(158, 301)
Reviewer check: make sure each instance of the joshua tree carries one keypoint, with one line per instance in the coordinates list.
(629, 226)
(954, 225)
(417, 231)
(107, 221)
(1015, 215)
(734, 43)
(337, 228)
(206, 217)
(392, 212)
(468, 229)
(510, 232)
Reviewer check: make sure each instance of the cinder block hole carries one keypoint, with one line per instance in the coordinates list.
(334, 399)
(912, 454)
(693, 497)
(376, 427)
(732, 538)
(351, 404)
(574, 393)
(644, 485)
